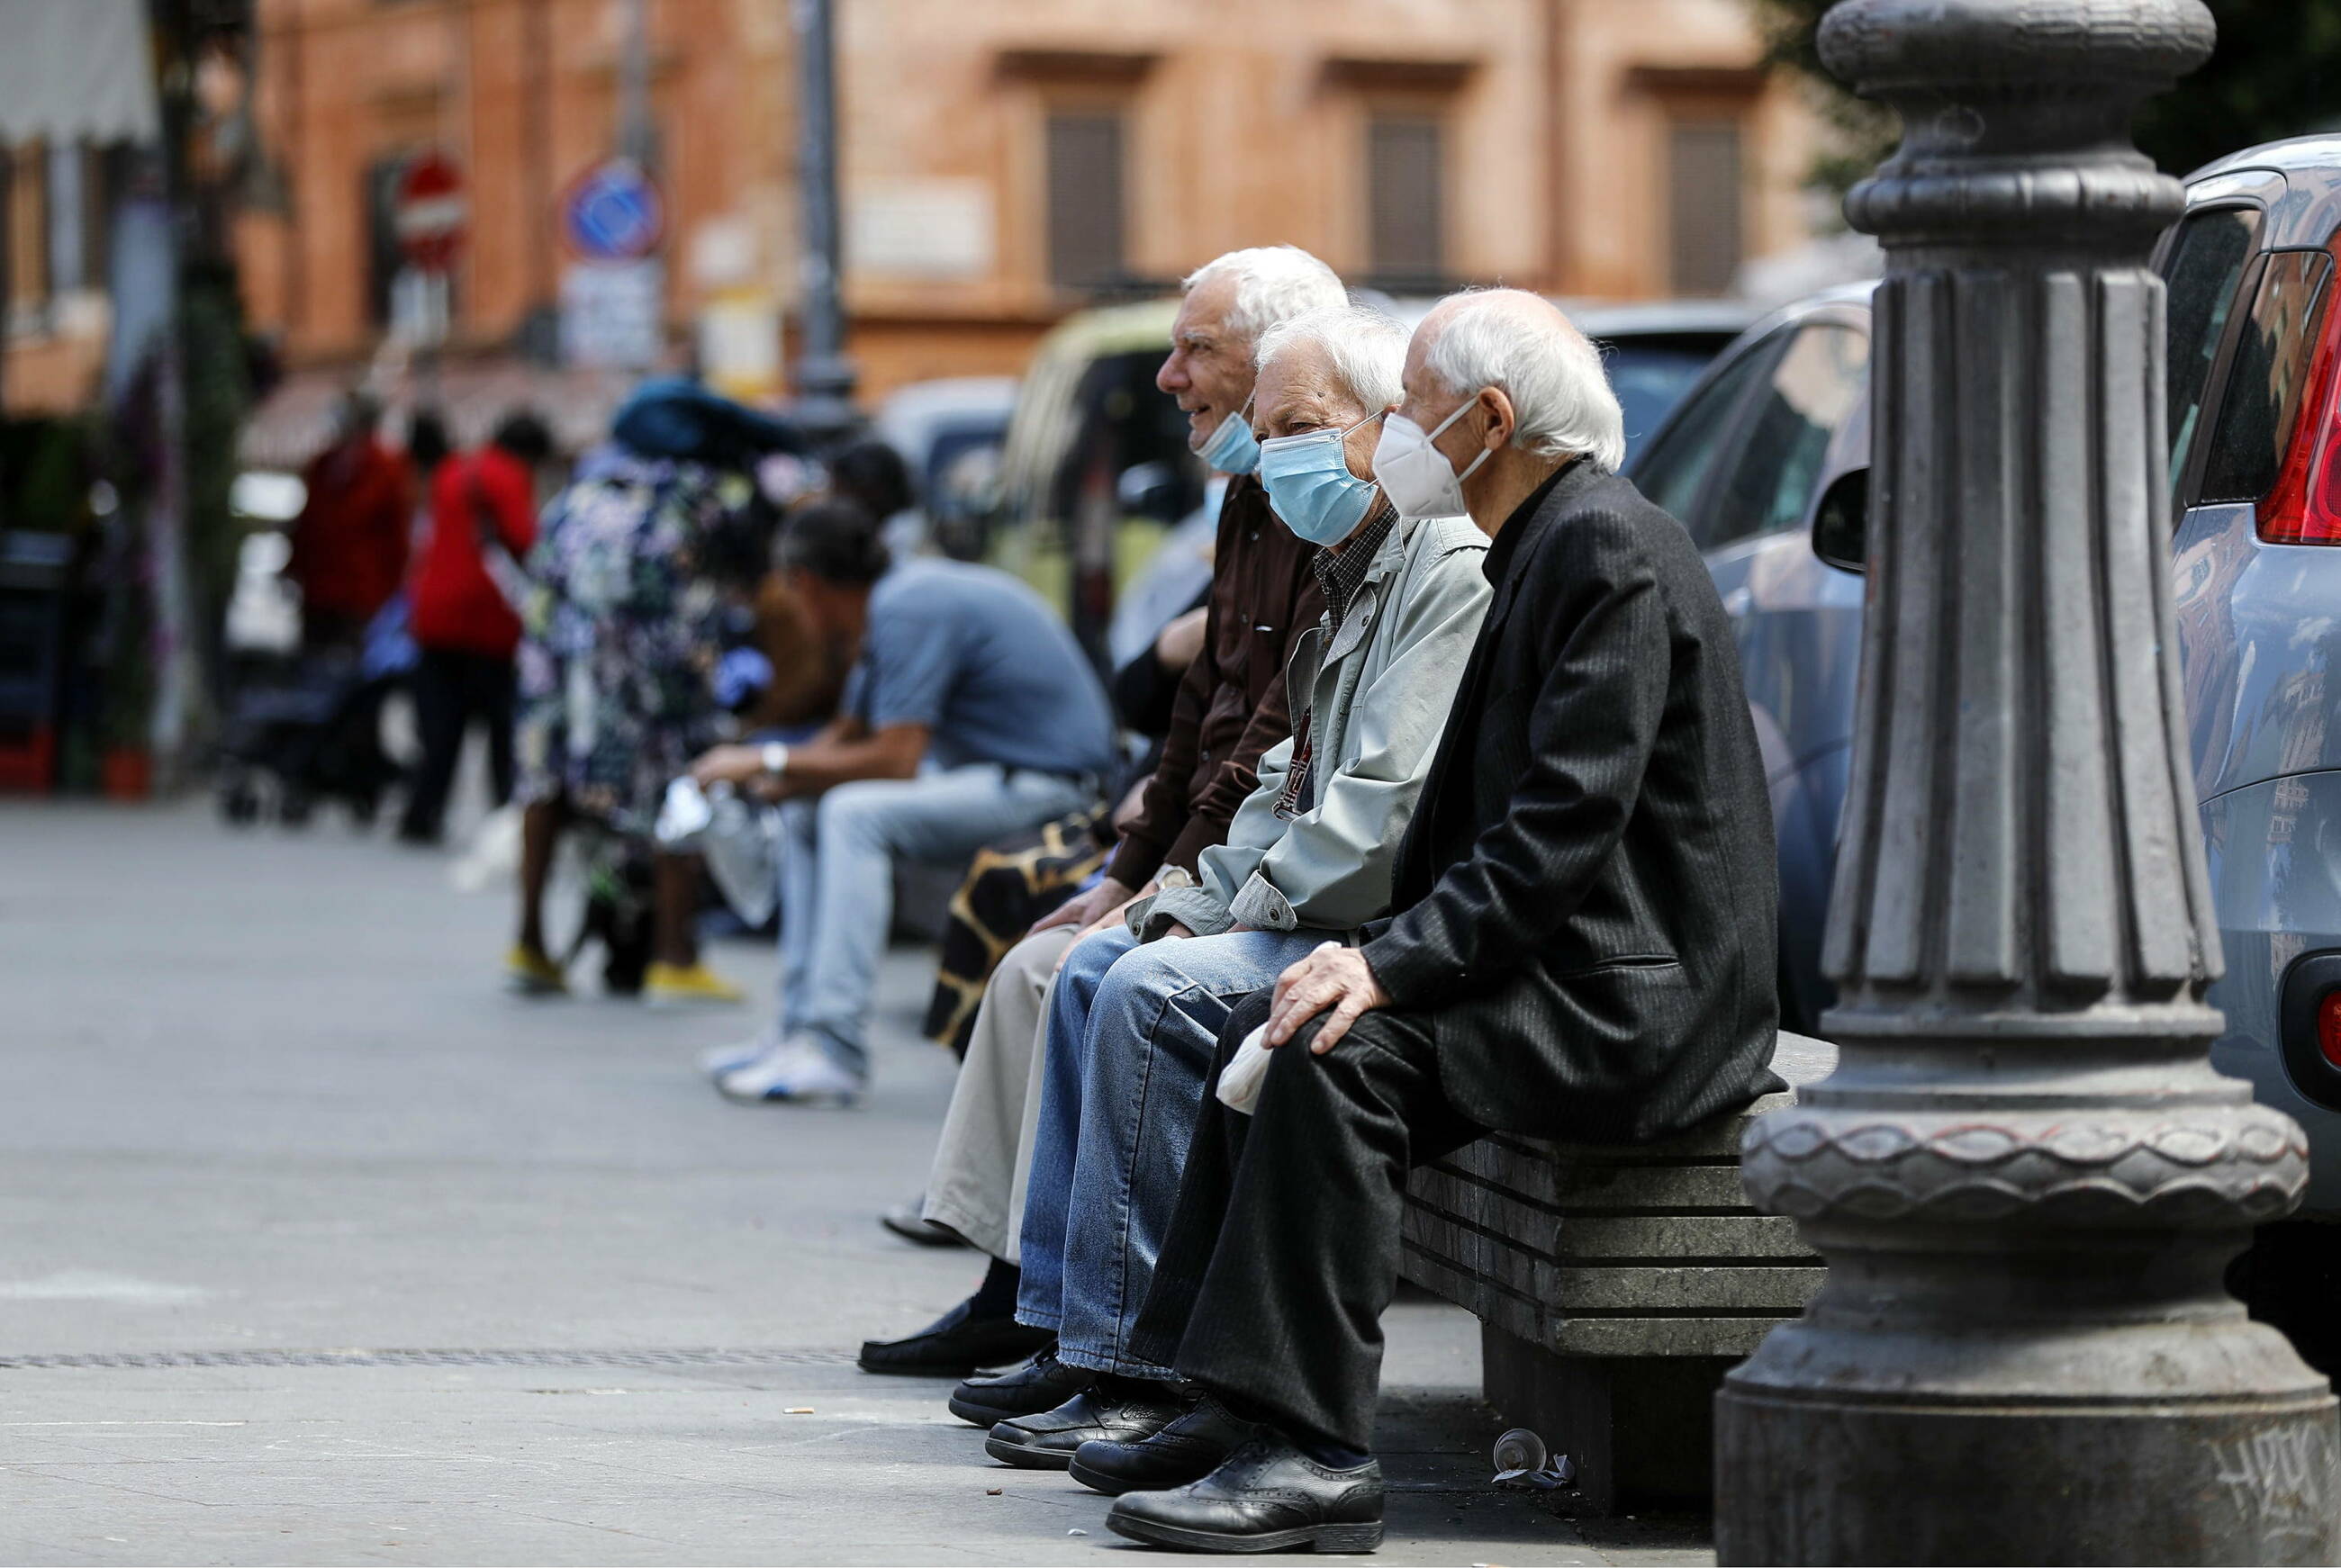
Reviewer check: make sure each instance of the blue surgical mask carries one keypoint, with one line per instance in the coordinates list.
(1230, 448)
(1311, 486)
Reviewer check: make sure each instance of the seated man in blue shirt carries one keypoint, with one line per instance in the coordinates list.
(971, 713)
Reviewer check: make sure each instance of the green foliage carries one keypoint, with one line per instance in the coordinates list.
(2275, 74)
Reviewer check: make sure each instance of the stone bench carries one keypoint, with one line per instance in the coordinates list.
(1615, 1286)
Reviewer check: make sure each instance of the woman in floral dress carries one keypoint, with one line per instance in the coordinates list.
(642, 566)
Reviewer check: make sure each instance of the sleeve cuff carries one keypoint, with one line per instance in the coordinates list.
(1190, 907)
(1258, 903)
(1410, 974)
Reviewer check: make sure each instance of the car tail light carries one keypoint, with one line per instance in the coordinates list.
(2309, 1026)
(2303, 506)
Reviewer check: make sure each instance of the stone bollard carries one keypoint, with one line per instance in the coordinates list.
(2025, 1177)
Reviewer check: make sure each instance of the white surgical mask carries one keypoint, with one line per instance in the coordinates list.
(1230, 448)
(1415, 475)
(1310, 484)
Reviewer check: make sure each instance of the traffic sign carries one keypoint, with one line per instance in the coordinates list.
(613, 212)
(430, 213)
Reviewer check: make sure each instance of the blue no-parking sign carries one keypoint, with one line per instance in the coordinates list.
(613, 212)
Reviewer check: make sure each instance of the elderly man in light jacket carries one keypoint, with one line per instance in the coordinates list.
(1309, 860)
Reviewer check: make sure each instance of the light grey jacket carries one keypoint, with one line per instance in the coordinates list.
(1378, 689)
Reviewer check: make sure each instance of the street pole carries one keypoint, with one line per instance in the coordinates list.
(2025, 1178)
(637, 139)
(824, 376)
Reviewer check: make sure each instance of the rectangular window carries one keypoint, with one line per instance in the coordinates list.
(1406, 200)
(1086, 221)
(2203, 268)
(1703, 205)
(69, 167)
(2262, 396)
(384, 258)
(28, 238)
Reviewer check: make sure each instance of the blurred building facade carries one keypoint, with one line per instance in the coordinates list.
(1006, 161)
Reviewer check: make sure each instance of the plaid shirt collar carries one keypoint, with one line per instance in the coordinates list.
(1342, 573)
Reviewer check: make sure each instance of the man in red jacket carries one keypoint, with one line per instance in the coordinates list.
(349, 547)
(463, 619)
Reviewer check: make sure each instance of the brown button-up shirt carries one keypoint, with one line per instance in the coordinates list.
(1232, 704)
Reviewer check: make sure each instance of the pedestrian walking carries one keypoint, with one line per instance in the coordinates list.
(643, 563)
(349, 542)
(464, 617)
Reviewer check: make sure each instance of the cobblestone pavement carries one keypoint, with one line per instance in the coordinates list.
(319, 1248)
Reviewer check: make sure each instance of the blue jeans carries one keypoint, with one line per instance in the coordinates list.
(837, 878)
(1132, 1032)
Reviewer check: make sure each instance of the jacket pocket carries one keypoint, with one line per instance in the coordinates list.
(1622, 963)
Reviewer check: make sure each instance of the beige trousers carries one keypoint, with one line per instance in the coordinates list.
(985, 1156)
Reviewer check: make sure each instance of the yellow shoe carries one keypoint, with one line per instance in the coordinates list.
(532, 974)
(688, 985)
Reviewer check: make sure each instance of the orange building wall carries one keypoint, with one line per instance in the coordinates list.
(1245, 125)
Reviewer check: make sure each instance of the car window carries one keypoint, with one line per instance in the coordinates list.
(1777, 455)
(2202, 269)
(1649, 380)
(1672, 469)
(2262, 393)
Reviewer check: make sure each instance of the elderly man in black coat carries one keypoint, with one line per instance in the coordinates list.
(1585, 949)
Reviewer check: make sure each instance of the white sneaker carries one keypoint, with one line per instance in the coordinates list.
(722, 1060)
(797, 1070)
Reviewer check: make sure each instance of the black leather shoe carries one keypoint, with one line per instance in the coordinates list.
(1188, 1449)
(1047, 1441)
(1267, 1497)
(956, 1344)
(1042, 1383)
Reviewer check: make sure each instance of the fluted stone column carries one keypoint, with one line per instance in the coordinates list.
(2025, 1175)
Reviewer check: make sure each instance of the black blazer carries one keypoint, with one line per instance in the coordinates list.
(1588, 887)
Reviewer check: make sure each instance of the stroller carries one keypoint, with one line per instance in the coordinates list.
(313, 731)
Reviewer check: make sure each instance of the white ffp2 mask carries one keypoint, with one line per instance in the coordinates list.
(1415, 475)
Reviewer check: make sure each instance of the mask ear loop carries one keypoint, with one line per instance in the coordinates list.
(1460, 409)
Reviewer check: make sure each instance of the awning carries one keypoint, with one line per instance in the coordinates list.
(76, 71)
(471, 396)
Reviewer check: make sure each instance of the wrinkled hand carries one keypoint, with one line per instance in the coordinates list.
(1332, 977)
(728, 765)
(1112, 921)
(1083, 909)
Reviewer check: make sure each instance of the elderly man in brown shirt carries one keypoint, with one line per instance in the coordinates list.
(1230, 708)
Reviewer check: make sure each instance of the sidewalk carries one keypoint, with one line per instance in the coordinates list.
(321, 1249)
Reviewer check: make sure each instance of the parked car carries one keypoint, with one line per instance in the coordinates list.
(1096, 468)
(1740, 461)
(950, 432)
(1766, 462)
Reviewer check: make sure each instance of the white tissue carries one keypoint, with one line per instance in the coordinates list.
(1240, 1079)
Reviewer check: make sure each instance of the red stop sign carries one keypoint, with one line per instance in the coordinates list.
(429, 211)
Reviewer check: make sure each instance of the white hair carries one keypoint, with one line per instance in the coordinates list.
(1273, 283)
(1561, 394)
(1366, 348)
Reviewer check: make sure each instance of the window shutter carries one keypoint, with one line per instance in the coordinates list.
(1085, 200)
(1703, 205)
(1406, 198)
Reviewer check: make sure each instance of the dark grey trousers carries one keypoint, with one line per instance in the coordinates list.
(1284, 1249)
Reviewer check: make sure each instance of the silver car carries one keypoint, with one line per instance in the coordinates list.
(1765, 462)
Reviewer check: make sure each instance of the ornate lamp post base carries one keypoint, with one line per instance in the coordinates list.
(2024, 1352)
(2025, 1175)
